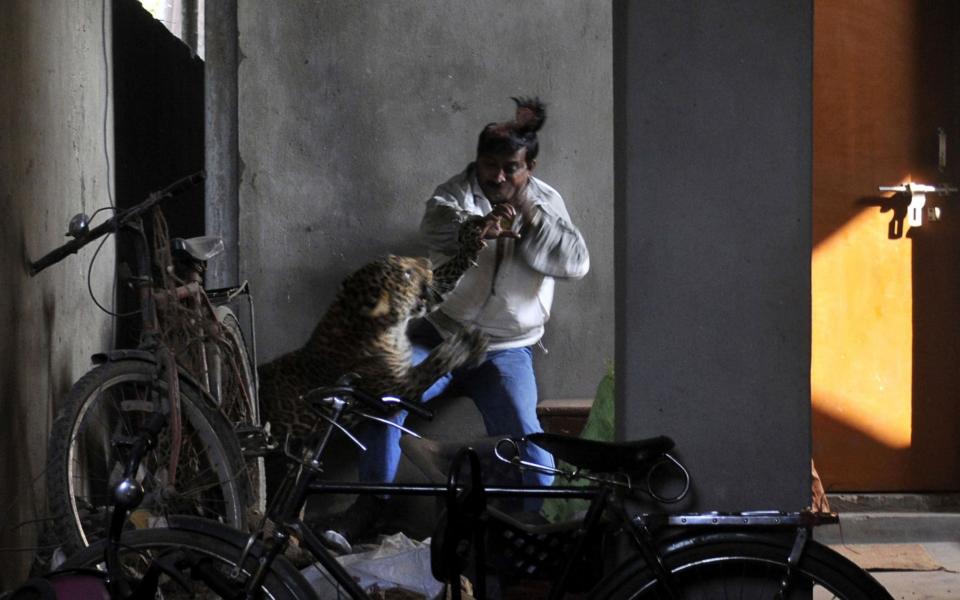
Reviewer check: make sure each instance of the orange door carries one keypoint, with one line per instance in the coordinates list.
(886, 294)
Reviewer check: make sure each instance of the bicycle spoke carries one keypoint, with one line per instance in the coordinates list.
(124, 398)
(204, 564)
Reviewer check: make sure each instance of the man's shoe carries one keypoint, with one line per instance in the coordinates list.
(362, 521)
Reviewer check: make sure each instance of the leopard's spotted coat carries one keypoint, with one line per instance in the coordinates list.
(364, 332)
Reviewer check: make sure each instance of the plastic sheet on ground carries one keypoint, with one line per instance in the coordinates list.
(397, 563)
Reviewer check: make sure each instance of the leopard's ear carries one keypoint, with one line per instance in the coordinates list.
(382, 307)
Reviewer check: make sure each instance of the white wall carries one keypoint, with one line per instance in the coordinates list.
(55, 136)
(351, 113)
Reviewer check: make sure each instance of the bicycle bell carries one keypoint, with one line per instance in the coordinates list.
(128, 493)
(79, 225)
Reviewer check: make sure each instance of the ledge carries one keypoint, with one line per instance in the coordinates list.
(565, 416)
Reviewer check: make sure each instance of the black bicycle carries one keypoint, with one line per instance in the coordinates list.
(111, 578)
(616, 551)
(191, 365)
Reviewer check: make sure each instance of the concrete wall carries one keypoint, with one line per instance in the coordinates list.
(350, 113)
(714, 154)
(53, 161)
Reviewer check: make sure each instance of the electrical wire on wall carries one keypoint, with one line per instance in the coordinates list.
(106, 97)
(106, 156)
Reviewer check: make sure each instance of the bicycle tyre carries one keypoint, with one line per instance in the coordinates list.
(116, 399)
(743, 565)
(192, 544)
(244, 376)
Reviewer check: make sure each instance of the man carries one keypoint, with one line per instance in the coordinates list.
(531, 241)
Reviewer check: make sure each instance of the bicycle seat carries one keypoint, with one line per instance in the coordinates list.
(201, 248)
(603, 457)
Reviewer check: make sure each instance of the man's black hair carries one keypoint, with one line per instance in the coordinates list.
(510, 136)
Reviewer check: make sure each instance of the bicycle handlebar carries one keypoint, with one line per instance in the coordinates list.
(113, 223)
(71, 247)
(381, 405)
(423, 413)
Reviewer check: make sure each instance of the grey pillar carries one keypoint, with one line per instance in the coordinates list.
(220, 81)
(189, 20)
(713, 124)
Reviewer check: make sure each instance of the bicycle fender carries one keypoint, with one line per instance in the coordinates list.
(281, 567)
(117, 355)
(683, 540)
(209, 528)
(149, 357)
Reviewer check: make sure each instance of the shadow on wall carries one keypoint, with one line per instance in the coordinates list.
(935, 388)
(896, 206)
(29, 377)
(864, 453)
(13, 473)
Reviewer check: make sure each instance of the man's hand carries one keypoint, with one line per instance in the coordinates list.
(498, 222)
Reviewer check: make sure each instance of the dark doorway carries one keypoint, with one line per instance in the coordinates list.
(158, 126)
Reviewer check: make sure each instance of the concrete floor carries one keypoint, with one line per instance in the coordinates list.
(931, 521)
(928, 585)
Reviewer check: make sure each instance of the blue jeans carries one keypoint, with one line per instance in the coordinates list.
(503, 388)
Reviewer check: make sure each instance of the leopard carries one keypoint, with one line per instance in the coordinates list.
(363, 335)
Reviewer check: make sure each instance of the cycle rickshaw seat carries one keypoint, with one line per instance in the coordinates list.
(604, 457)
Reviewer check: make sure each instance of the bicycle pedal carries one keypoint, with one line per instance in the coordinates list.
(123, 441)
(333, 540)
(254, 441)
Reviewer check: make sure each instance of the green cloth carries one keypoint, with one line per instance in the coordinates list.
(599, 427)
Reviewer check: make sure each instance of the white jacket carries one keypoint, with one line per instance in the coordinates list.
(509, 293)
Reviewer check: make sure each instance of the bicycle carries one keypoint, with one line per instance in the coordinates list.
(191, 363)
(110, 580)
(661, 555)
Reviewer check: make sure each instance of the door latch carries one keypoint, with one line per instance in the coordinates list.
(918, 199)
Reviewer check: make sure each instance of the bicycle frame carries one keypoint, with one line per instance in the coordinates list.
(290, 523)
(150, 339)
(127, 495)
(210, 365)
(206, 363)
(644, 528)
(658, 537)
(640, 525)
(171, 313)
(305, 483)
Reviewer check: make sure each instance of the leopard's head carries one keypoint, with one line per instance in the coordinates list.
(390, 290)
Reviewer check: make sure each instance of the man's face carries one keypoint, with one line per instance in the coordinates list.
(503, 176)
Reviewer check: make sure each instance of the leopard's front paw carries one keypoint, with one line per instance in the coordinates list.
(471, 236)
(473, 343)
(466, 347)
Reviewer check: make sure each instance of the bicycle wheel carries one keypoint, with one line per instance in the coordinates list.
(746, 566)
(198, 565)
(239, 391)
(115, 399)
(238, 383)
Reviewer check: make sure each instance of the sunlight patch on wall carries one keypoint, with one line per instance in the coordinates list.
(862, 329)
(157, 8)
(183, 18)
